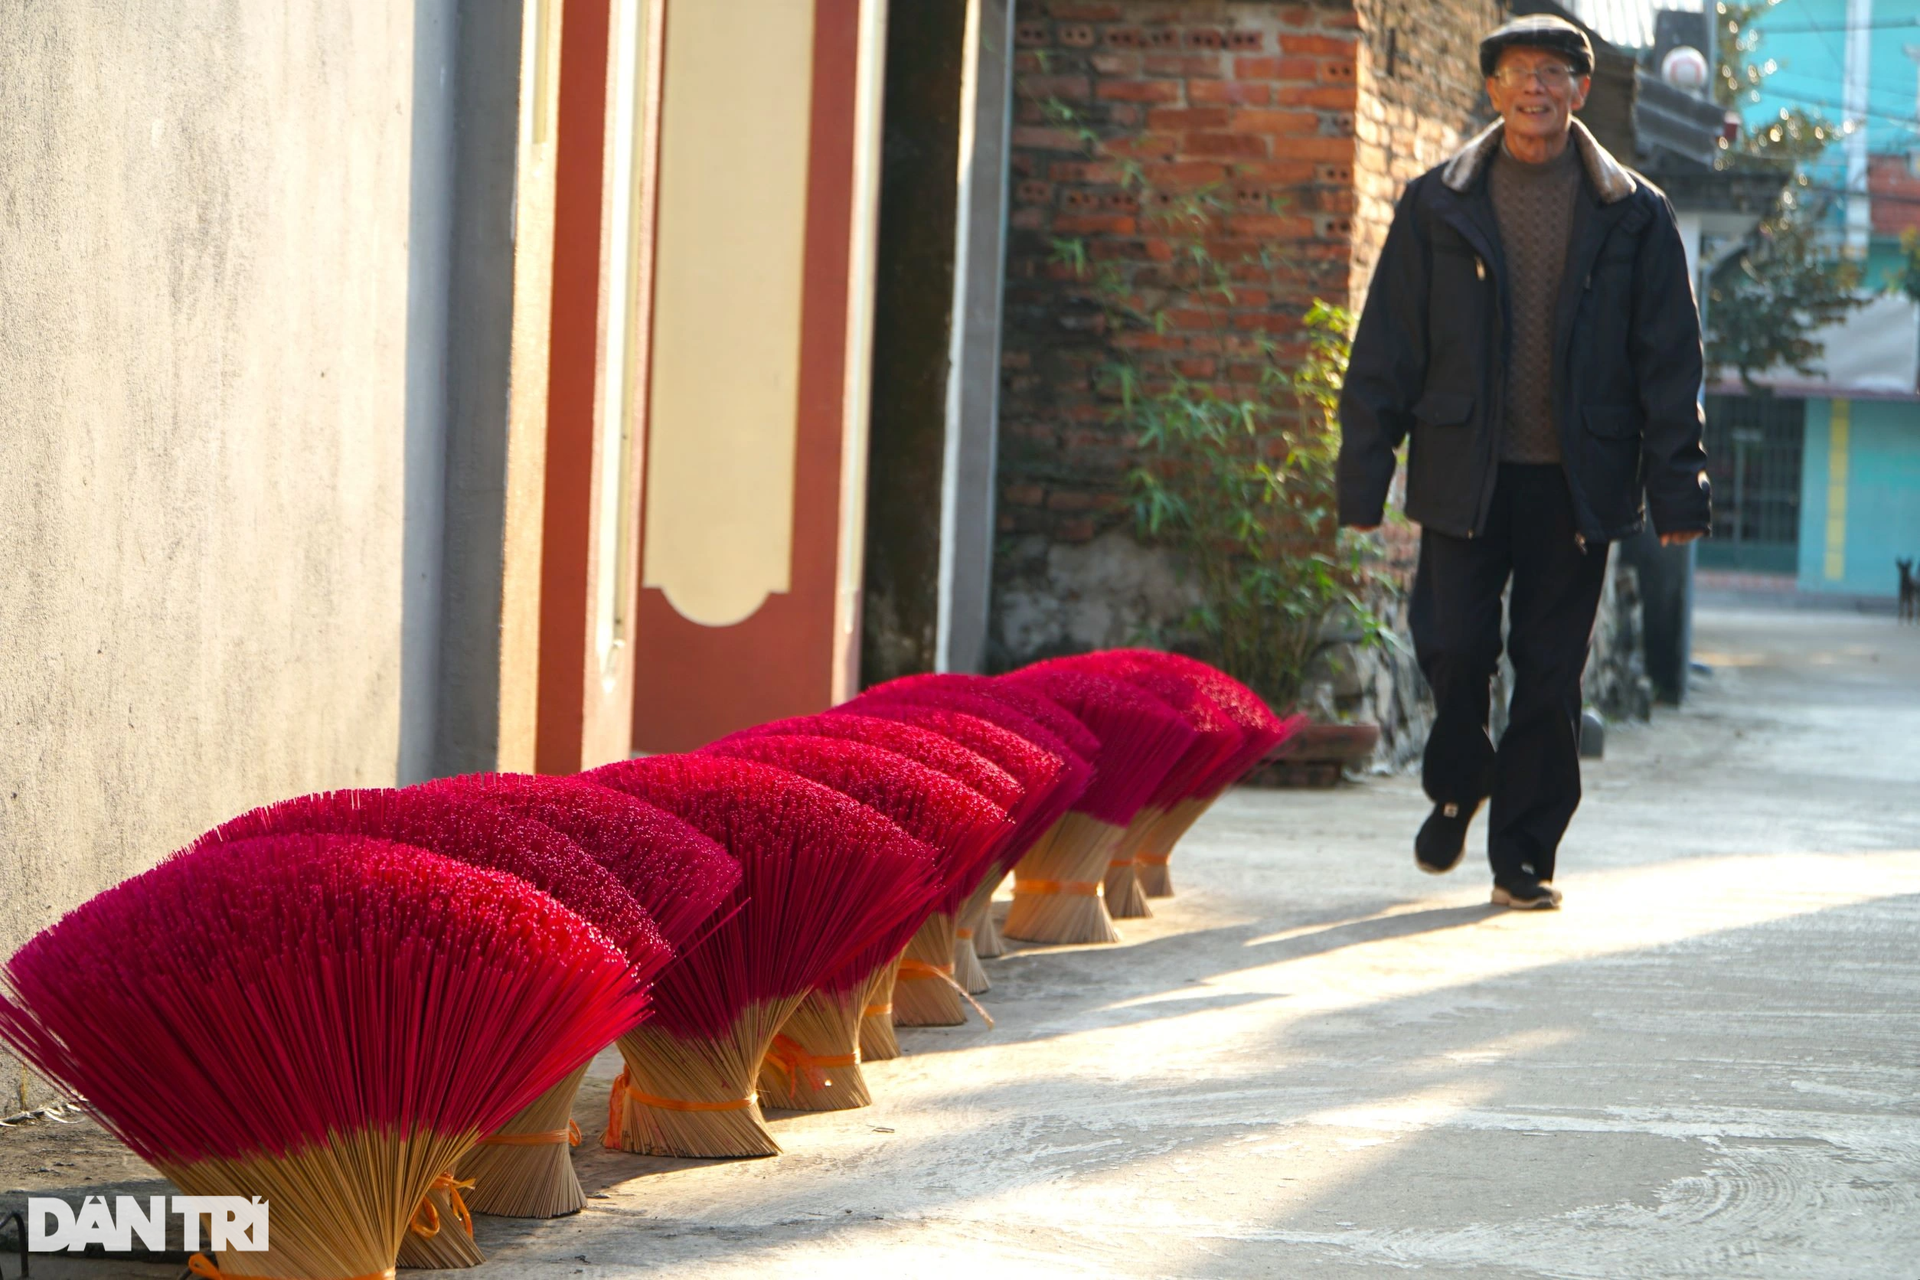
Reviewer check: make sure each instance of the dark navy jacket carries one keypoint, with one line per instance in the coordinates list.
(1429, 358)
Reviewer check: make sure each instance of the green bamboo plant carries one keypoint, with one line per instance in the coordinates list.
(1234, 475)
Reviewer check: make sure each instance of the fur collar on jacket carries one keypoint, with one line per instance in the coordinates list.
(1612, 180)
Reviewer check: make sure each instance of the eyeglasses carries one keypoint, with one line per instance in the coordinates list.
(1552, 76)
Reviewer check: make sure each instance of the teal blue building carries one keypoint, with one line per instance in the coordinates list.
(1860, 494)
(1821, 479)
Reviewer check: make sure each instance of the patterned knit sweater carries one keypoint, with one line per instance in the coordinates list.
(1534, 206)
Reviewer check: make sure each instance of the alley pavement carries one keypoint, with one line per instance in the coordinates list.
(1319, 1062)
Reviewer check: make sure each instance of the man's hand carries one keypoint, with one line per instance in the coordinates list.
(1681, 538)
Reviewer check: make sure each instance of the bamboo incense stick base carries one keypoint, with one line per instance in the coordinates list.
(338, 1208)
(977, 915)
(967, 970)
(1056, 887)
(927, 994)
(814, 1063)
(525, 1170)
(441, 1237)
(694, 1096)
(1125, 901)
(1153, 851)
(877, 1040)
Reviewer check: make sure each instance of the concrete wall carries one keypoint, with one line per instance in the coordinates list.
(1859, 495)
(223, 378)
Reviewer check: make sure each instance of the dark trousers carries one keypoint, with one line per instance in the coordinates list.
(1533, 776)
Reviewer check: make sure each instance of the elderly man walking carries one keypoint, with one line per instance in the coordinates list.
(1531, 334)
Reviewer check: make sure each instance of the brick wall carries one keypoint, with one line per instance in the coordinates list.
(1307, 116)
(1420, 97)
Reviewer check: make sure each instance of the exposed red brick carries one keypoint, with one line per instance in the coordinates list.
(1318, 46)
(1267, 322)
(1275, 78)
(1146, 146)
(1138, 91)
(1254, 120)
(1181, 119)
(1094, 224)
(1271, 226)
(1226, 144)
(1331, 97)
(1258, 68)
(1097, 173)
(1185, 175)
(1065, 88)
(1209, 66)
(1045, 138)
(1229, 92)
(1288, 147)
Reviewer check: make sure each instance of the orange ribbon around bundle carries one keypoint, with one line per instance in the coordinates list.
(877, 1010)
(795, 1064)
(1076, 888)
(453, 1186)
(917, 970)
(623, 1092)
(1153, 859)
(549, 1138)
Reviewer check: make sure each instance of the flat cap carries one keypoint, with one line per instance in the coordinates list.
(1538, 31)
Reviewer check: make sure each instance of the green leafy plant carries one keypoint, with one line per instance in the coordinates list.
(1766, 300)
(1236, 451)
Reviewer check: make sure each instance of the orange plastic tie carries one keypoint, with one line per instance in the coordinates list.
(791, 1060)
(623, 1092)
(201, 1265)
(919, 970)
(910, 970)
(963, 933)
(546, 1138)
(453, 1187)
(1121, 862)
(877, 1011)
(1075, 888)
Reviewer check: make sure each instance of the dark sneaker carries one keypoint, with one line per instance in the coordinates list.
(1443, 837)
(1524, 893)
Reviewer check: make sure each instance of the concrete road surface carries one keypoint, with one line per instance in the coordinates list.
(1318, 1062)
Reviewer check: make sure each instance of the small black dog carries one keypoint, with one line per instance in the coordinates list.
(1909, 591)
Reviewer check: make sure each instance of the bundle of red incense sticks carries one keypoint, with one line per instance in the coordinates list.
(822, 878)
(468, 829)
(326, 1022)
(1261, 731)
(1217, 739)
(676, 874)
(965, 830)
